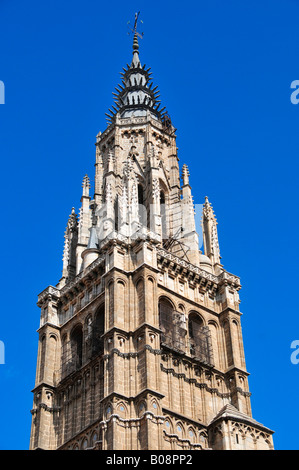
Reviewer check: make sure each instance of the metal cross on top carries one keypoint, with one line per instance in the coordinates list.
(134, 30)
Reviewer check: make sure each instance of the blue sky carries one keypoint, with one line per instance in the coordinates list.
(224, 70)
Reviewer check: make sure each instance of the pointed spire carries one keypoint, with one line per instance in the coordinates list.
(70, 243)
(135, 96)
(210, 233)
(208, 209)
(135, 60)
(86, 186)
(72, 222)
(185, 175)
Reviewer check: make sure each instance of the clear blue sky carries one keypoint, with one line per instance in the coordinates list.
(224, 70)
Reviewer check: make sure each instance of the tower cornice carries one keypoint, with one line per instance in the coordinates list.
(167, 257)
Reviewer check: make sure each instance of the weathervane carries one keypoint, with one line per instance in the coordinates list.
(134, 30)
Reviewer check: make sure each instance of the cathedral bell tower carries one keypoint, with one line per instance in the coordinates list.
(140, 343)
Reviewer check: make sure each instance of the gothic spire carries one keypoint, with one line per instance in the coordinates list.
(210, 233)
(86, 186)
(70, 243)
(185, 175)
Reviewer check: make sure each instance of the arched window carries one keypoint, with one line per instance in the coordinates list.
(94, 438)
(42, 358)
(165, 312)
(195, 323)
(199, 339)
(76, 346)
(172, 325)
(98, 331)
(64, 357)
(84, 444)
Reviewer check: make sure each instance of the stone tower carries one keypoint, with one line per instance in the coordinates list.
(140, 342)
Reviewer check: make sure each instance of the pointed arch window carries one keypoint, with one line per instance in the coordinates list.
(199, 339)
(64, 357)
(42, 358)
(77, 347)
(98, 331)
(172, 326)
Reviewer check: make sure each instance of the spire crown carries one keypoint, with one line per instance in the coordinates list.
(135, 96)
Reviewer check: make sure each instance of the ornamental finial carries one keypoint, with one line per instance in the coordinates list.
(135, 32)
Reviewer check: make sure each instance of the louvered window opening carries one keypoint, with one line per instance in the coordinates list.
(77, 352)
(173, 328)
(174, 334)
(200, 342)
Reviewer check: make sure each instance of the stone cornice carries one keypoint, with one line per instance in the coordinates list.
(237, 369)
(176, 263)
(43, 385)
(43, 406)
(134, 354)
(130, 333)
(79, 312)
(81, 276)
(52, 325)
(131, 272)
(145, 391)
(53, 293)
(184, 267)
(183, 264)
(181, 375)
